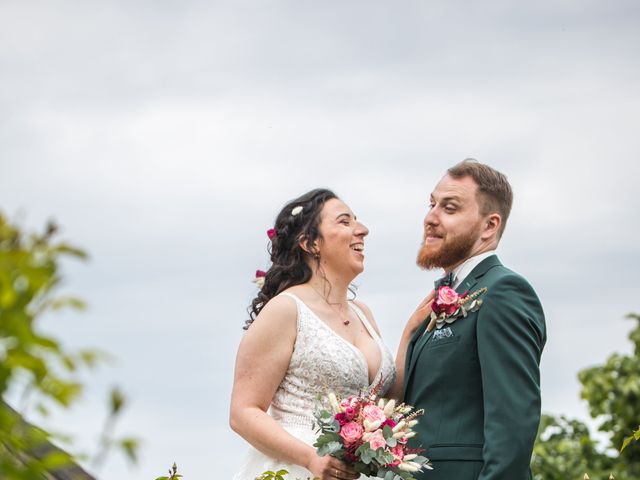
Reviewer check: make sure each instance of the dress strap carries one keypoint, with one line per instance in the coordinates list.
(364, 320)
(298, 306)
(290, 295)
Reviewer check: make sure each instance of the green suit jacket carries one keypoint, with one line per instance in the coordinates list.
(478, 380)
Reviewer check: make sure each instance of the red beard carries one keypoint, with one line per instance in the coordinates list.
(451, 251)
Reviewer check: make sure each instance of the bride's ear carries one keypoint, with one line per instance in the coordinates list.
(303, 242)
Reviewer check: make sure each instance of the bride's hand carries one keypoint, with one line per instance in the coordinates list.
(422, 312)
(330, 468)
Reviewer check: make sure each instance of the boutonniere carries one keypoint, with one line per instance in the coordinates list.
(449, 305)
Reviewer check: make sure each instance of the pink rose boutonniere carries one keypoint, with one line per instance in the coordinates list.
(449, 305)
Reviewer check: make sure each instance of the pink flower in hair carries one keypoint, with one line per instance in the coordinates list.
(259, 279)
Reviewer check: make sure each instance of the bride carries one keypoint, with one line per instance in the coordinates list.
(306, 338)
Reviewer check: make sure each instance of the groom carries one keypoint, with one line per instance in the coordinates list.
(477, 376)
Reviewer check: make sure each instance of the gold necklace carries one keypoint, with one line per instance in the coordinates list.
(345, 321)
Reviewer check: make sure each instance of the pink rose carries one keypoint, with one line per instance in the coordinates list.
(446, 302)
(351, 432)
(398, 456)
(447, 296)
(376, 440)
(373, 414)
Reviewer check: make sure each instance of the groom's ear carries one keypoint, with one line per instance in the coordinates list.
(492, 225)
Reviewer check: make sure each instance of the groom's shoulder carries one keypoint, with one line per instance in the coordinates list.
(502, 278)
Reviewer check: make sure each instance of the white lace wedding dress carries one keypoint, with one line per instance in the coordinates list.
(322, 361)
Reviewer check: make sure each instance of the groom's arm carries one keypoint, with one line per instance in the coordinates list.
(511, 335)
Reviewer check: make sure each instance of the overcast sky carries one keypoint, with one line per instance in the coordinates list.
(165, 136)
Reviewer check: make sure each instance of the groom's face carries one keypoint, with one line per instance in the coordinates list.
(452, 227)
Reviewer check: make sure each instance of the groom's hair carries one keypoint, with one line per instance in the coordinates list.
(494, 192)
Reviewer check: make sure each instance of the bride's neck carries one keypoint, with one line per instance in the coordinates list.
(332, 289)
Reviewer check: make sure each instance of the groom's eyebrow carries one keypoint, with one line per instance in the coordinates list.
(452, 198)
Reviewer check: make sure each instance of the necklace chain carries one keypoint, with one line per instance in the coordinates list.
(345, 321)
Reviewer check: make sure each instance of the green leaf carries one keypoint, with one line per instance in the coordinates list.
(64, 248)
(130, 448)
(367, 454)
(67, 302)
(326, 438)
(329, 448)
(116, 400)
(56, 459)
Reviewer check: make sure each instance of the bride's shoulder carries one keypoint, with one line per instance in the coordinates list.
(279, 313)
(281, 304)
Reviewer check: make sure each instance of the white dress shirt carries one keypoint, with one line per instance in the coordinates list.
(464, 269)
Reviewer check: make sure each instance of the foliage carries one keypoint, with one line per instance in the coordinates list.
(635, 436)
(32, 361)
(271, 475)
(173, 474)
(612, 392)
(564, 450)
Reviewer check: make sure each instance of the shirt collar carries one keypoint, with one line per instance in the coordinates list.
(465, 268)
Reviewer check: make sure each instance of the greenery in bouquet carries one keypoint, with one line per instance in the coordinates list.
(370, 433)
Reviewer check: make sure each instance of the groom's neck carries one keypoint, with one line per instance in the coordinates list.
(474, 253)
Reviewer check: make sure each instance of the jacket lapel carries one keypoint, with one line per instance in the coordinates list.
(413, 351)
(419, 339)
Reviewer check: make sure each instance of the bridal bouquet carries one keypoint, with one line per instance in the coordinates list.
(371, 433)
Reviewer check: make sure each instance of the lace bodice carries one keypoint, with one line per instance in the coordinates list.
(322, 362)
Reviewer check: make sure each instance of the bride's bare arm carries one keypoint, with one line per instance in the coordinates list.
(417, 318)
(261, 363)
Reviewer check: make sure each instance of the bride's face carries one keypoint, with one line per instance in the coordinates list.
(341, 247)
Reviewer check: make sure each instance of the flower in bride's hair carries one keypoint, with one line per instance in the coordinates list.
(296, 210)
(259, 279)
(272, 232)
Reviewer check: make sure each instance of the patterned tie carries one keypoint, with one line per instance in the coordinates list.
(446, 281)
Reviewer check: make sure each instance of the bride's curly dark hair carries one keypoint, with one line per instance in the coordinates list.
(289, 265)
